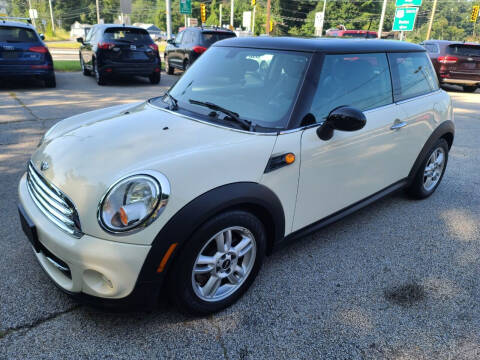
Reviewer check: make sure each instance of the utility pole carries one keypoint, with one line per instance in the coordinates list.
(168, 6)
(267, 25)
(98, 11)
(220, 17)
(382, 18)
(51, 14)
(431, 19)
(30, 8)
(231, 12)
(324, 8)
(253, 22)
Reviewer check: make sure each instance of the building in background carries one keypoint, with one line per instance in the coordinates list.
(155, 32)
(79, 30)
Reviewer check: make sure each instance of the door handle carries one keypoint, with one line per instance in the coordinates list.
(398, 124)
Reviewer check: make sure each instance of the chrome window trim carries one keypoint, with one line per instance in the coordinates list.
(162, 200)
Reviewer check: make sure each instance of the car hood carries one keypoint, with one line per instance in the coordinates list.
(87, 153)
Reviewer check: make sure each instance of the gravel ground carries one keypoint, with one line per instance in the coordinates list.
(396, 280)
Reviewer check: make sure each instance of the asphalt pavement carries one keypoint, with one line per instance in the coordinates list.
(399, 279)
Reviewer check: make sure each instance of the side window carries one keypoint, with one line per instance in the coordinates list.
(178, 38)
(413, 75)
(358, 80)
(187, 38)
(90, 34)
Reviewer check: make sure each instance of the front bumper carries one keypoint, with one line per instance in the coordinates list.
(460, 82)
(98, 269)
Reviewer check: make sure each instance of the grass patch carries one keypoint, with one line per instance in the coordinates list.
(58, 34)
(67, 65)
(63, 45)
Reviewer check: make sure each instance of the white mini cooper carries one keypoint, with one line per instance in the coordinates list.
(261, 141)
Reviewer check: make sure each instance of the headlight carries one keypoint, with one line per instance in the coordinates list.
(133, 201)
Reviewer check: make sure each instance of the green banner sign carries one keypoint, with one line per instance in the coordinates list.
(404, 19)
(408, 3)
(185, 6)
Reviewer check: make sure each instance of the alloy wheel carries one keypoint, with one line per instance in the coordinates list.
(434, 169)
(224, 263)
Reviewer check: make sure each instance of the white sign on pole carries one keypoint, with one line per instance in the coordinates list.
(192, 22)
(33, 13)
(319, 17)
(247, 20)
(126, 6)
(44, 22)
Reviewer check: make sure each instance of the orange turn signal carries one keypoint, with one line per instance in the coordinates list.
(167, 255)
(290, 158)
(123, 216)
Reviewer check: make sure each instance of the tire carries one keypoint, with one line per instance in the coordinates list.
(186, 65)
(85, 71)
(469, 88)
(50, 81)
(154, 78)
(423, 186)
(170, 69)
(98, 75)
(187, 290)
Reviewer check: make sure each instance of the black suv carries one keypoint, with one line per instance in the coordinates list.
(23, 52)
(189, 44)
(117, 49)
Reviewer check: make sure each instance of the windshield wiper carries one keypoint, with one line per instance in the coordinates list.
(173, 101)
(247, 125)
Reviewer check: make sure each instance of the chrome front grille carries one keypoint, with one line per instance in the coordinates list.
(53, 203)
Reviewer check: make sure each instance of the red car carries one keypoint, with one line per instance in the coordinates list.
(455, 62)
(364, 34)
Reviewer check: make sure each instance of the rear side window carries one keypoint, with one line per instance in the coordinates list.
(211, 37)
(413, 75)
(464, 50)
(128, 35)
(358, 80)
(432, 48)
(17, 34)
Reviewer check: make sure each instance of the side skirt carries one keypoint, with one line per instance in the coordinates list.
(340, 214)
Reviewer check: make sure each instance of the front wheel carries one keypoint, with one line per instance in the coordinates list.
(50, 81)
(218, 264)
(99, 76)
(469, 88)
(170, 69)
(429, 175)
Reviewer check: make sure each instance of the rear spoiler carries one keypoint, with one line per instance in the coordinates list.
(15, 18)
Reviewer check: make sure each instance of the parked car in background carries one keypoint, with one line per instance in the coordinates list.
(23, 52)
(366, 34)
(190, 43)
(110, 50)
(183, 195)
(456, 63)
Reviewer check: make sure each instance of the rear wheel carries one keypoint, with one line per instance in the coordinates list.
(218, 264)
(154, 78)
(98, 75)
(50, 81)
(469, 88)
(431, 172)
(186, 65)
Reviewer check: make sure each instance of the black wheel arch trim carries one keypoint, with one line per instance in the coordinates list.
(445, 130)
(250, 196)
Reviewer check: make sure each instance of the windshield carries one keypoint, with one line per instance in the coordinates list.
(17, 34)
(136, 36)
(260, 85)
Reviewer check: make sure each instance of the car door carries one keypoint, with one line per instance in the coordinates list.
(175, 56)
(86, 49)
(351, 166)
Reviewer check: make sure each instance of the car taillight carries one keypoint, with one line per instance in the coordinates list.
(154, 47)
(106, 46)
(38, 49)
(447, 59)
(199, 49)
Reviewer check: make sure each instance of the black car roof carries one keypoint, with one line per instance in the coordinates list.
(108, 26)
(321, 44)
(16, 24)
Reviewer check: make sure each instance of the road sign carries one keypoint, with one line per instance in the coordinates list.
(33, 13)
(247, 20)
(474, 16)
(185, 6)
(408, 3)
(192, 22)
(319, 18)
(126, 6)
(404, 19)
(203, 13)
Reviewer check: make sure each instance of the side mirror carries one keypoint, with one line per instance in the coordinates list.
(171, 41)
(80, 40)
(343, 118)
(42, 36)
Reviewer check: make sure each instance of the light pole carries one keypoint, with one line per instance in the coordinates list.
(382, 18)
